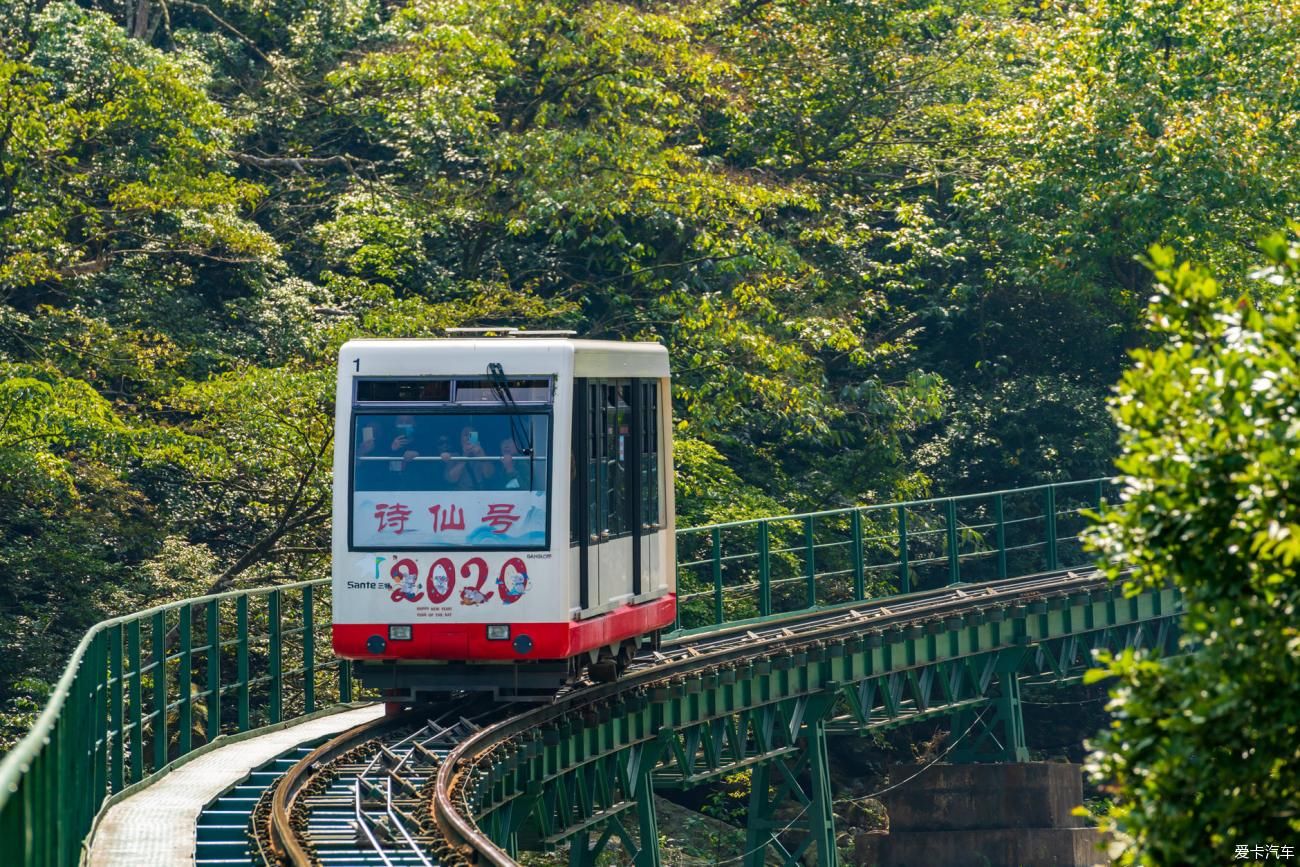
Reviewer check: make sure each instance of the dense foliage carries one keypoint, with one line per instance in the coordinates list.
(887, 243)
(1204, 750)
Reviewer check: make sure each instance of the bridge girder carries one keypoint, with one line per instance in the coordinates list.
(579, 780)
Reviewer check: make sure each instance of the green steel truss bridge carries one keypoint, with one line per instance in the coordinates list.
(790, 629)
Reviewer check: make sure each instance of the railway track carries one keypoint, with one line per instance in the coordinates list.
(395, 787)
(358, 799)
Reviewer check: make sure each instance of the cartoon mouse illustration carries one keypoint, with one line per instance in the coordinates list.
(405, 574)
(470, 596)
(511, 589)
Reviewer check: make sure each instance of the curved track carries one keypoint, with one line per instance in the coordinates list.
(358, 798)
(430, 816)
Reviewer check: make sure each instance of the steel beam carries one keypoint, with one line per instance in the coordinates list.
(770, 714)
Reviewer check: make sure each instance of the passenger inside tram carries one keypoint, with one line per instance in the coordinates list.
(405, 452)
(472, 472)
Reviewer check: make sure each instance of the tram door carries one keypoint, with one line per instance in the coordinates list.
(649, 457)
(615, 491)
(615, 483)
(584, 493)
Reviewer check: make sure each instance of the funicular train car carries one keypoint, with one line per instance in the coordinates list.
(503, 511)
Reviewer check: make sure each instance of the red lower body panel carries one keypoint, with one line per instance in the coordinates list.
(462, 641)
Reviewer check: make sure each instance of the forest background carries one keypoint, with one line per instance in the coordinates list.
(889, 243)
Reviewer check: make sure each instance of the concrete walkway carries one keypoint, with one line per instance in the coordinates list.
(155, 826)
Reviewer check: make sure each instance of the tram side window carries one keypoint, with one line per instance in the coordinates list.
(649, 441)
(618, 420)
(595, 458)
(577, 475)
(584, 448)
(605, 425)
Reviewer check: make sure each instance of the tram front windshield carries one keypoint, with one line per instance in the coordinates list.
(448, 479)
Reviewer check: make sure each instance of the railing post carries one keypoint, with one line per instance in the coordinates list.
(345, 680)
(99, 705)
(277, 679)
(308, 652)
(954, 561)
(84, 696)
(137, 701)
(716, 554)
(764, 568)
(117, 759)
(810, 560)
(214, 670)
(904, 572)
(1097, 495)
(20, 822)
(241, 644)
(74, 752)
(185, 681)
(160, 690)
(1051, 527)
(62, 795)
(1000, 517)
(859, 574)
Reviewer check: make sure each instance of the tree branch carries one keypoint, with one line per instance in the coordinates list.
(301, 164)
(228, 27)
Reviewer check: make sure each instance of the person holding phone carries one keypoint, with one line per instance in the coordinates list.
(465, 471)
(515, 474)
(403, 441)
(387, 445)
(396, 439)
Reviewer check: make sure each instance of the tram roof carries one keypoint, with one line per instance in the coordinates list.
(469, 355)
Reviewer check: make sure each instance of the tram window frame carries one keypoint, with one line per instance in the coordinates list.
(581, 492)
(531, 391)
(365, 390)
(595, 458)
(619, 439)
(437, 408)
(649, 445)
(608, 407)
(576, 479)
(478, 391)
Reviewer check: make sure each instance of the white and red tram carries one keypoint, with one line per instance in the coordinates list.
(503, 510)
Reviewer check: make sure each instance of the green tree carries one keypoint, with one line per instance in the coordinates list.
(71, 526)
(886, 242)
(260, 493)
(1203, 749)
(689, 172)
(111, 159)
(1081, 132)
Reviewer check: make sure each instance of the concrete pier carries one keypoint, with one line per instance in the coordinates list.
(985, 815)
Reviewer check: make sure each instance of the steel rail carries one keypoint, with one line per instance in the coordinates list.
(103, 714)
(285, 844)
(890, 604)
(681, 656)
(284, 829)
(735, 642)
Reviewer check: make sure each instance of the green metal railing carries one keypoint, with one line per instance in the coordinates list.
(756, 568)
(142, 691)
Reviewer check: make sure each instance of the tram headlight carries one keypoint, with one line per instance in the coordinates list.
(498, 632)
(399, 633)
(375, 644)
